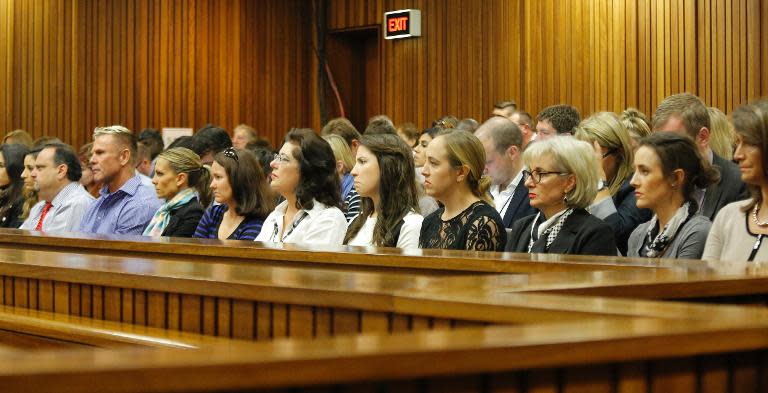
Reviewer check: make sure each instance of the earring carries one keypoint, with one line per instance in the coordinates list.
(565, 199)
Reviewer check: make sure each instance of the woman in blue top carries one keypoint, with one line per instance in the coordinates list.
(240, 189)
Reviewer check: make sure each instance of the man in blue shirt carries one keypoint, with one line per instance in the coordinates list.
(125, 205)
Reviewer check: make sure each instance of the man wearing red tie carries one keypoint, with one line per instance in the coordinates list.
(63, 200)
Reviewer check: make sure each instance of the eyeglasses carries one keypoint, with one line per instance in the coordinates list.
(281, 158)
(536, 175)
(231, 153)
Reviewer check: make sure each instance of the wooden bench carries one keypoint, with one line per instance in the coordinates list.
(424, 262)
(631, 355)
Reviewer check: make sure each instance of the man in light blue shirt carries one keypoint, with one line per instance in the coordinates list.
(125, 205)
(63, 200)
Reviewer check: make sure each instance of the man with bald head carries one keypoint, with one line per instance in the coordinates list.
(502, 141)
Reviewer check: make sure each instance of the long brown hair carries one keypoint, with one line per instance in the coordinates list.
(751, 122)
(249, 185)
(397, 189)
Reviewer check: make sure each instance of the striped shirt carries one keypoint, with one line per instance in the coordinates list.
(208, 228)
(126, 211)
(66, 212)
(349, 197)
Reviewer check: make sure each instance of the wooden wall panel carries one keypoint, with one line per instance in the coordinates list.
(594, 54)
(67, 66)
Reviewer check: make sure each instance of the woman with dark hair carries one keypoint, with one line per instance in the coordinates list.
(383, 175)
(11, 184)
(740, 227)
(454, 176)
(669, 171)
(182, 181)
(304, 173)
(240, 188)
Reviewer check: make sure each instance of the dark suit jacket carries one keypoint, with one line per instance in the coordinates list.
(184, 220)
(12, 218)
(519, 206)
(729, 189)
(581, 234)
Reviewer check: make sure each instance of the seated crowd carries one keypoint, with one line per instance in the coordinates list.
(689, 183)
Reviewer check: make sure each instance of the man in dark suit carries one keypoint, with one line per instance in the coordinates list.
(686, 114)
(502, 141)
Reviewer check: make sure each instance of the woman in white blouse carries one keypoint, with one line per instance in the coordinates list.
(304, 173)
(384, 178)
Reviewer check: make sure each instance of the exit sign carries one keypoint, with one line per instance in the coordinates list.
(402, 24)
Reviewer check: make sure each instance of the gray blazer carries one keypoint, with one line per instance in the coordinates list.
(688, 244)
(729, 189)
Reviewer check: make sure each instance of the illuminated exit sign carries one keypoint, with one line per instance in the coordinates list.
(402, 24)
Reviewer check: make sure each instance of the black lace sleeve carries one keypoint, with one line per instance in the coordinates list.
(485, 232)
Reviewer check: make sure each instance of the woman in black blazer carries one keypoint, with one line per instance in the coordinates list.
(562, 181)
(182, 180)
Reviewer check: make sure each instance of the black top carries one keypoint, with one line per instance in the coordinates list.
(478, 228)
(518, 207)
(184, 220)
(729, 189)
(12, 217)
(581, 234)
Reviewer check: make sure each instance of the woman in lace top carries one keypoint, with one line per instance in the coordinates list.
(669, 171)
(562, 181)
(384, 177)
(453, 173)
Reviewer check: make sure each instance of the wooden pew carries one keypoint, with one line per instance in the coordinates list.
(424, 262)
(255, 302)
(631, 355)
(25, 330)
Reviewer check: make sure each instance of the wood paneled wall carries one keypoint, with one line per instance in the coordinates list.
(67, 66)
(595, 54)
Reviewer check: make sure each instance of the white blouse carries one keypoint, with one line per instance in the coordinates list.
(409, 232)
(322, 224)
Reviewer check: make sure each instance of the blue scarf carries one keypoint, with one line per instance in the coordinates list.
(163, 214)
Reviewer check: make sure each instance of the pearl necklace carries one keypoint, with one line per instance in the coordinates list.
(754, 217)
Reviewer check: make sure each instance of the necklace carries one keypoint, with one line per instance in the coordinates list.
(754, 217)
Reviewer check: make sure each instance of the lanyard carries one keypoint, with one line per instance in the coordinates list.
(303, 214)
(755, 247)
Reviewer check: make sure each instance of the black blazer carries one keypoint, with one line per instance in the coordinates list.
(184, 220)
(519, 206)
(581, 234)
(12, 218)
(729, 189)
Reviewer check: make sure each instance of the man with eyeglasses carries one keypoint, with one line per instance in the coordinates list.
(125, 205)
(502, 140)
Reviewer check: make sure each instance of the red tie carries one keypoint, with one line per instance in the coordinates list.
(42, 215)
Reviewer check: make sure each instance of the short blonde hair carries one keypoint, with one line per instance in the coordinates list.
(121, 133)
(606, 129)
(722, 135)
(572, 156)
(341, 151)
(19, 136)
(464, 149)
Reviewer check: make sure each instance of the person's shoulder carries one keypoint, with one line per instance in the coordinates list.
(728, 169)
(320, 210)
(483, 209)
(412, 217)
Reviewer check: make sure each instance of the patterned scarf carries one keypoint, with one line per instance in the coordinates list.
(552, 231)
(655, 246)
(163, 214)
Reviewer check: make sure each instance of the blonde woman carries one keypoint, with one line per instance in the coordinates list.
(562, 182)
(721, 136)
(615, 202)
(453, 175)
(182, 181)
(345, 160)
(637, 125)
